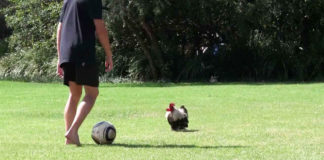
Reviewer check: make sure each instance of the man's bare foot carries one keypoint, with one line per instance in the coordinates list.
(72, 138)
(67, 141)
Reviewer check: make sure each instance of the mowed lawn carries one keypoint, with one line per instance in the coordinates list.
(226, 121)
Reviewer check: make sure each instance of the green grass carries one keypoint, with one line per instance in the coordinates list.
(228, 121)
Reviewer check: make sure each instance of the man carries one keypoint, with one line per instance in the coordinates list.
(80, 22)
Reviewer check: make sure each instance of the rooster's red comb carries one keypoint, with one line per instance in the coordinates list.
(172, 105)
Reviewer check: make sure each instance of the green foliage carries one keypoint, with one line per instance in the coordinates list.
(31, 22)
(33, 64)
(257, 40)
(177, 40)
(33, 39)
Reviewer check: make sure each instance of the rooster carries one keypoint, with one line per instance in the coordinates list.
(177, 118)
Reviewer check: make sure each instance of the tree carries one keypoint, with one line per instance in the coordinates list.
(32, 41)
(180, 40)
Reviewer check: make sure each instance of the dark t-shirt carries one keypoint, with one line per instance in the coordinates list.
(78, 31)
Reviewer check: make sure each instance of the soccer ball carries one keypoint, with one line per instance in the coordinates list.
(103, 133)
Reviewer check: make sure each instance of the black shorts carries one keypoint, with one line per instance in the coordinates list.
(82, 75)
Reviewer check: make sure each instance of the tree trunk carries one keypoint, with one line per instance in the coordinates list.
(146, 51)
(132, 26)
(155, 45)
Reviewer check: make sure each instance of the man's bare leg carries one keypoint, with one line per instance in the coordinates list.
(71, 106)
(83, 110)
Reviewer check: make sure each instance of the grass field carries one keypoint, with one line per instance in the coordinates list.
(227, 121)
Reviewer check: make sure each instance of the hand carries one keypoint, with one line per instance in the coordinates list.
(59, 70)
(109, 64)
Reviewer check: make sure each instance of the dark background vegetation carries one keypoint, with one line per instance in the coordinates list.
(177, 40)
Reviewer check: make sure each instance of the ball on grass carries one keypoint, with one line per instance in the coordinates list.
(103, 133)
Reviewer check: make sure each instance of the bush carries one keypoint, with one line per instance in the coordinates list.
(232, 40)
(32, 42)
(180, 40)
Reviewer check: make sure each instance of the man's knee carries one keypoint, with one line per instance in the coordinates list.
(92, 93)
(76, 96)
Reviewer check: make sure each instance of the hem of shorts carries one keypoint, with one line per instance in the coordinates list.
(64, 62)
(83, 84)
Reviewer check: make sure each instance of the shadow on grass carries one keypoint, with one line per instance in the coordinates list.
(157, 84)
(164, 146)
(188, 130)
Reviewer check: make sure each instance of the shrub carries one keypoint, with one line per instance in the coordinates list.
(178, 40)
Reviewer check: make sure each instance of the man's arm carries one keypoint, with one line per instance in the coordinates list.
(59, 70)
(102, 35)
(58, 38)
